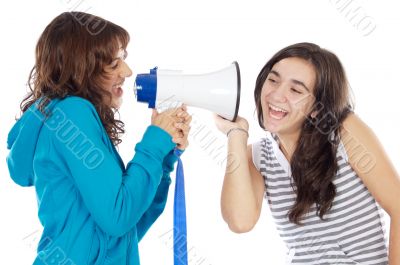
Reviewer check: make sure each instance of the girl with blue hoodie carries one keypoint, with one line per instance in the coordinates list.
(93, 209)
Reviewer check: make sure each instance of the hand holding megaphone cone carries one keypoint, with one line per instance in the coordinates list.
(227, 127)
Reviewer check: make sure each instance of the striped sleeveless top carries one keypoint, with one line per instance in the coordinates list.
(352, 232)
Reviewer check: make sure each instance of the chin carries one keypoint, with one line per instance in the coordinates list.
(271, 125)
(117, 103)
(271, 128)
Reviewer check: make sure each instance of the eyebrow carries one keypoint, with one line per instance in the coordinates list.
(297, 82)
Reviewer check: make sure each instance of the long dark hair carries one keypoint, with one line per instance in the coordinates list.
(70, 56)
(314, 162)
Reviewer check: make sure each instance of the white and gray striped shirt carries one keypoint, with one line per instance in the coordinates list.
(352, 232)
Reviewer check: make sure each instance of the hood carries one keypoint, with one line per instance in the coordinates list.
(21, 142)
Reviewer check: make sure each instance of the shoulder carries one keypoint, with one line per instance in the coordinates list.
(360, 142)
(254, 152)
(354, 123)
(355, 130)
(76, 108)
(73, 112)
(371, 163)
(75, 104)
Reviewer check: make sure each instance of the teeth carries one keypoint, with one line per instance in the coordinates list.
(277, 109)
(118, 85)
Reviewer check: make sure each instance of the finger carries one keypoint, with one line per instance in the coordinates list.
(180, 147)
(178, 125)
(188, 119)
(170, 112)
(185, 128)
(154, 114)
(183, 146)
(179, 120)
(183, 117)
(179, 109)
(181, 141)
(181, 114)
(178, 141)
(216, 117)
(182, 111)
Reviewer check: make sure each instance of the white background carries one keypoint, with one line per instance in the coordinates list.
(200, 37)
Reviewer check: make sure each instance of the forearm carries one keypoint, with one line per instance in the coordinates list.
(160, 199)
(238, 200)
(156, 208)
(394, 244)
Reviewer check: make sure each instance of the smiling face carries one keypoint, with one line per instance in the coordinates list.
(287, 95)
(117, 71)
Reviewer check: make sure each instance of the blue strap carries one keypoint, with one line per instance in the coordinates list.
(180, 232)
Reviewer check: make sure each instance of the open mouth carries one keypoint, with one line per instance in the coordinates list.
(276, 112)
(117, 90)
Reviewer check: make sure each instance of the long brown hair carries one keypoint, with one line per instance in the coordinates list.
(314, 162)
(71, 54)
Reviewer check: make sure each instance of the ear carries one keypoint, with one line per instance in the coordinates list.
(314, 114)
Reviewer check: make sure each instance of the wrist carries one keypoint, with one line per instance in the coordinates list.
(237, 130)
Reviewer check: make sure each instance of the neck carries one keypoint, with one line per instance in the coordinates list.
(288, 143)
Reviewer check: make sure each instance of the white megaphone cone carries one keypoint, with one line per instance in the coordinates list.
(218, 91)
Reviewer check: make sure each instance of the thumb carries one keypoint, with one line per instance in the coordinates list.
(154, 114)
(218, 118)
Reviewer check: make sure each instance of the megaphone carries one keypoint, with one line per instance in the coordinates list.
(217, 91)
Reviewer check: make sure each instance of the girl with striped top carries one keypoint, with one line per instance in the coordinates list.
(322, 170)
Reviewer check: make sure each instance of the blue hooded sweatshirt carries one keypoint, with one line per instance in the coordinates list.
(93, 209)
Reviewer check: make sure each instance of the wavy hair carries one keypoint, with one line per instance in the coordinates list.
(314, 162)
(70, 58)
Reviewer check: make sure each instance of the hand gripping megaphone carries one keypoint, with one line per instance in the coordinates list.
(217, 91)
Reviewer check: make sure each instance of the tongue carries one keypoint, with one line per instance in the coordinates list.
(118, 91)
(277, 114)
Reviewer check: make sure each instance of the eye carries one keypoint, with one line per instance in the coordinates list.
(272, 80)
(296, 91)
(125, 55)
(115, 65)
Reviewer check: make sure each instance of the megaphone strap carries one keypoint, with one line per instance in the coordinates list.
(180, 231)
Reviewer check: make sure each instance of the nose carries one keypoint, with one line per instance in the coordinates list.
(126, 71)
(279, 94)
